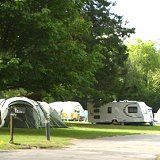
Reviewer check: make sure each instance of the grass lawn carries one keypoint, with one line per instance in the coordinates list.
(60, 137)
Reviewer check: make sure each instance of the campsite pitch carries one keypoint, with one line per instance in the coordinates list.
(61, 137)
(130, 147)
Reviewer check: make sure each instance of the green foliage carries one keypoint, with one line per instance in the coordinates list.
(13, 93)
(108, 31)
(42, 48)
(62, 50)
(142, 80)
(144, 56)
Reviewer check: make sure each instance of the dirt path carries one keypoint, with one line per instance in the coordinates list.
(132, 147)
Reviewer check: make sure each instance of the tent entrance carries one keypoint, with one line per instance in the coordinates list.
(26, 116)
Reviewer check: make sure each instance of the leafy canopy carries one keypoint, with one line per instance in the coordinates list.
(42, 50)
(142, 80)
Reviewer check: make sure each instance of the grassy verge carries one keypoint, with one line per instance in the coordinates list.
(60, 137)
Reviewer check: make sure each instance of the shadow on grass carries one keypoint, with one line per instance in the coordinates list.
(82, 131)
(87, 134)
(63, 133)
(74, 131)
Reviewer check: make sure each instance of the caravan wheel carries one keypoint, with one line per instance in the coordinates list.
(115, 122)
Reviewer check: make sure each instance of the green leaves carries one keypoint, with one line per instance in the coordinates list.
(142, 79)
(44, 49)
(62, 49)
(108, 31)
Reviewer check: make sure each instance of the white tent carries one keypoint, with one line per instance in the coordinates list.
(68, 110)
(30, 113)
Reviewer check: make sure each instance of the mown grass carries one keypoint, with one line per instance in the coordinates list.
(60, 137)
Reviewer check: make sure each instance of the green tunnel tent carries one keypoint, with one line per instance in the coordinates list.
(29, 113)
(55, 119)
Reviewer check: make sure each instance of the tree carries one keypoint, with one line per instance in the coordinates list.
(141, 82)
(42, 50)
(108, 31)
(153, 89)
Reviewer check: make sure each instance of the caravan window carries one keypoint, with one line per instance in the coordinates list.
(132, 110)
(109, 109)
(97, 117)
(96, 110)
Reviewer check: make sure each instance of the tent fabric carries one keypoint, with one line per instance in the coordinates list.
(68, 110)
(30, 114)
(55, 119)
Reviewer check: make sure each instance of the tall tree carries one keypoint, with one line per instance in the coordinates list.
(108, 31)
(41, 47)
(141, 82)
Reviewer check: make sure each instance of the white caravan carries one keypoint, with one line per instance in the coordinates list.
(121, 112)
(157, 117)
